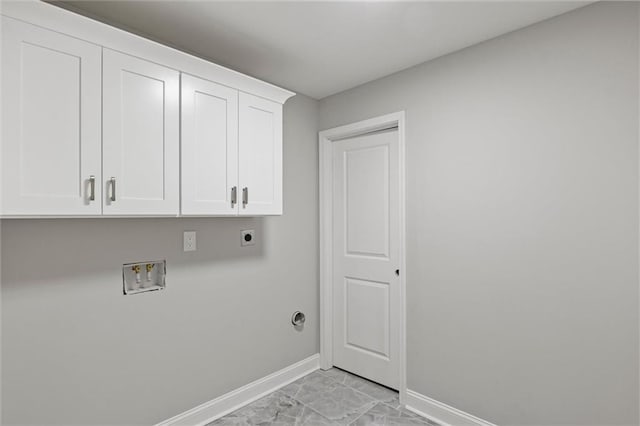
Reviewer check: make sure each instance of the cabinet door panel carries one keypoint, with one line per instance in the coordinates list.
(209, 147)
(141, 141)
(51, 115)
(260, 154)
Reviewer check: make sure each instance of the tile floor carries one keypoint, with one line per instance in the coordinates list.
(332, 397)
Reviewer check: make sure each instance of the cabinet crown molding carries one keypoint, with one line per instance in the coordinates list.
(72, 24)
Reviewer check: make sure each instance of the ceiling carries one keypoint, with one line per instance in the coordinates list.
(320, 48)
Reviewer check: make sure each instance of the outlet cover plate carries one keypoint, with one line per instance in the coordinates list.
(189, 241)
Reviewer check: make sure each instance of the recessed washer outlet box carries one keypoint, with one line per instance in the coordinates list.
(140, 277)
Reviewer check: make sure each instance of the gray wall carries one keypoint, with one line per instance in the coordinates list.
(522, 175)
(76, 351)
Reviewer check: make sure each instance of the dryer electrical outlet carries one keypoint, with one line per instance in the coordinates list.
(248, 237)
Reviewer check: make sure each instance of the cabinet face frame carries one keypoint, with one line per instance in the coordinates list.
(51, 137)
(209, 148)
(260, 156)
(140, 110)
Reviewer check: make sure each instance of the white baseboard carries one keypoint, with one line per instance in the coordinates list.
(225, 404)
(441, 413)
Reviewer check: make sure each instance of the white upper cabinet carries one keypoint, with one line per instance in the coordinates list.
(100, 122)
(209, 148)
(140, 136)
(260, 156)
(51, 123)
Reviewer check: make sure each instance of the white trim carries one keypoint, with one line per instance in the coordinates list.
(216, 408)
(439, 412)
(325, 138)
(326, 266)
(638, 34)
(362, 127)
(403, 258)
(70, 23)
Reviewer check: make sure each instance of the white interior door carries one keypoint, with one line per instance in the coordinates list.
(51, 116)
(366, 255)
(140, 136)
(260, 153)
(209, 148)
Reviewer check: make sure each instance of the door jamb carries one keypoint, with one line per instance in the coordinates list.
(325, 139)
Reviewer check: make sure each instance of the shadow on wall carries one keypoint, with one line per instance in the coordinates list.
(42, 251)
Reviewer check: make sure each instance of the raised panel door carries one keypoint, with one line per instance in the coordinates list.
(366, 254)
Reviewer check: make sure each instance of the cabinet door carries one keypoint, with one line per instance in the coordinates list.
(140, 136)
(260, 156)
(51, 116)
(209, 145)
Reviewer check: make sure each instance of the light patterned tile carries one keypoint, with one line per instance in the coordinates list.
(326, 398)
(375, 391)
(230, 420)
(312, 418)
(315, 380)
(274, 409)
(335, 401)
(395, 404)
(383, 415)
(336, 374)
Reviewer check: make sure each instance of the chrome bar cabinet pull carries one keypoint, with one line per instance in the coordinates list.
(113, 189)
(245, 197)
(234, 196)
(92, 188)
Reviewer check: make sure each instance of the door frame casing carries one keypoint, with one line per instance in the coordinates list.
(325, 140)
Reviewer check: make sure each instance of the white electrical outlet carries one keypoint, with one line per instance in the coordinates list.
(189, 241)
(248, 237)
